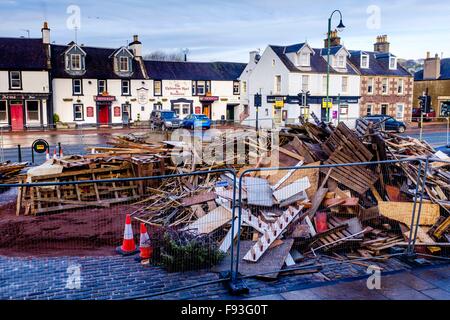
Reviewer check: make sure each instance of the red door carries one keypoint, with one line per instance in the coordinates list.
(17, 117)
(103, 114)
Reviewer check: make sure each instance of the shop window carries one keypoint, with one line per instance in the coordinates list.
(77, 87)
(126, 87)
(157, 88)
(78, 112)
(15, 80)
(157, 106)
(3, 111)
(32, 110)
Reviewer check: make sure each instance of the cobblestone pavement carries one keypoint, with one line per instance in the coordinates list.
(123, 278)
(422, 284)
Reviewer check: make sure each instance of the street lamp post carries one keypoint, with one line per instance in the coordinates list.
(340, 27)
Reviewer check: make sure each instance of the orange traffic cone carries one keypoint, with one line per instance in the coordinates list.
(61, 155)
(54, 154)
(128, 247)
(144, 245)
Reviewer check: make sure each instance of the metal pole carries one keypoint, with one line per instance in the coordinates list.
(339, 109)
(19, 153)
(328, 69)
(2, 155)
(448, 130)
(416, 196)
(422, 191)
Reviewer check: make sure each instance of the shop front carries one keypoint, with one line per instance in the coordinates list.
(23, 111)
(104, 110)
(182, 107)
(207, 105)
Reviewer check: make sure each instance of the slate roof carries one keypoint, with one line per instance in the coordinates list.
(318, 63)
(378, 65)
(99, 64)
(22, 54)
(445, 71)
(215, 71)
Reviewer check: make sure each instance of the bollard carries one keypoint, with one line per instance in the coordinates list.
(19, 153)
(59, 149)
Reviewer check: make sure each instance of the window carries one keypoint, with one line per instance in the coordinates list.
(324, 84)
(365, 61)
(77, 85)
(400, 86)
(340, 61)
(32, 110)
(384, 108)
(3, 111)
(400, 112)
(344, 84)
(305, 59)
(124, 64)
(278, 84)
(126, 112)
(370, 86)
(15, 80)
(392, 63)
(385, 86)
(78, 112)
(201, 88)
(102, 86)
(236, 88)
(369, 109)
(273, 62)
(126, 88)
(157, 106)
(75, 61)
(305, 83)
(244, 86)
(157, 88)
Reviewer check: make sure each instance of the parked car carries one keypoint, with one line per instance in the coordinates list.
(164, 120)
(387, 123)
(445, 149)
(426, 116)
(196, 120)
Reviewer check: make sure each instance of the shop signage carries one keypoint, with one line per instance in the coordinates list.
(90, 112)
(142, 94)
(327, 104)
(116, 111)
(23, 96)
(209, 99)
(177, 88)
(104, 98)
(279, 102)
(198, 110)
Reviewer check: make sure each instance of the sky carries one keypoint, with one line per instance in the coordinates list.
(226, 30)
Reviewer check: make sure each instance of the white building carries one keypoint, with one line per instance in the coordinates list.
(99, 86)
(209, 88)
(283, 72)
(24, 83)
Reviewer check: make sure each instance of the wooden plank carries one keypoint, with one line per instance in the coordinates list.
(402, 212)
(292, 189)
(198, 199)
(210, 222)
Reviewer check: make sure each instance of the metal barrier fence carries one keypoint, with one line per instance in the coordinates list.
(353, 222)
(208, 222)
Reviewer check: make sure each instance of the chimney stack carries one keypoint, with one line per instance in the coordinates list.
(136, 46)
(432, 67)
(335, 40)
(382, 45)
(45, 33)
(254, 56)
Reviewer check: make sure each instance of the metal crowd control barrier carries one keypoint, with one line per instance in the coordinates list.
(289, 188)
(109, 199)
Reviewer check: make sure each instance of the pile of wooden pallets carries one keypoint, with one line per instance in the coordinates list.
(9, 172)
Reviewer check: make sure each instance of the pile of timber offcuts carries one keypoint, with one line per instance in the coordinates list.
(289, 216)
(9, 172)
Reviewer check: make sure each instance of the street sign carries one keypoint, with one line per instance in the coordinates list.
(40, 146)
(258, 100)
(327, 104)
(279, 102)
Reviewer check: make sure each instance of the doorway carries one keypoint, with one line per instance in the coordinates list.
(17, 117)
(230, 112)
(207, 110)
(103, 114)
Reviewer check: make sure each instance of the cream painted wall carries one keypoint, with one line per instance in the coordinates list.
(32, 82)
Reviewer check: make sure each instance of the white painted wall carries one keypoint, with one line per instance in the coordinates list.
(32, 82)
(62, 90)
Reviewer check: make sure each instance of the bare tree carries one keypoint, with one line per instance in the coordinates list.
(165, 56)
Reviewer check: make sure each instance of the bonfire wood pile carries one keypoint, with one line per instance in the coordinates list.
(10, 171)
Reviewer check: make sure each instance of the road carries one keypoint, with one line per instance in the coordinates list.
(80, 142)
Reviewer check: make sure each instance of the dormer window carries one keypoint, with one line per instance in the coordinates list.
(124, 64)
(340, 61)
(393, 63)
(365, 61)
(305, 59)
(75, 62)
